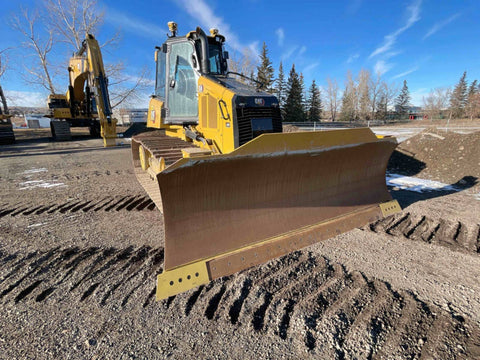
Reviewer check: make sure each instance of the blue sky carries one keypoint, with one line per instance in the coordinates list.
(429, 43)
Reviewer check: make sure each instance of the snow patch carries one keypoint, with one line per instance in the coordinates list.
(34, 171)
(32, 184)
(418, 185)
(36, 225)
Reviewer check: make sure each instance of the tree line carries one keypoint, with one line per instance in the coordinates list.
(463, 101)
(365, 96)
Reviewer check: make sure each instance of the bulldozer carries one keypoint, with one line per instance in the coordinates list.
(233, 189)
(87, 102)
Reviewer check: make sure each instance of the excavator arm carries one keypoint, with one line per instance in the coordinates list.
(98, 82)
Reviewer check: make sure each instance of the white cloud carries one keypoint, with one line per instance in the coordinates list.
(280, 36)
(440, 25)
(288, 53)
(302, 50)
(310, 67)
(138, 26)
(416, 97)
(26, 98)
(134, 79)
(352, 58)
(204, 14)
(390, 39)
(381, 67)
(405, 73)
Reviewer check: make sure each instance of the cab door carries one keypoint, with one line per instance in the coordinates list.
(182, 98)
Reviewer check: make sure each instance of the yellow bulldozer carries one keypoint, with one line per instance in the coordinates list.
(87, 102)
(233, 189)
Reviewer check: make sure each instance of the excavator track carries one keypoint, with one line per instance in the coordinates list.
(158, 145)
(7, 136)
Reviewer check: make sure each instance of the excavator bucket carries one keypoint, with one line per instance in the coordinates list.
(276, 194)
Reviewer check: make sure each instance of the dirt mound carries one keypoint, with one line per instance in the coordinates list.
(446, 156)
(290, 128)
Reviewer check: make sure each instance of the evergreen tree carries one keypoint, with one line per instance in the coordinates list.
(402, 102)
(265, 69)
(252, 78)
(304, 96)
(473, 89)
(280, 86)
(314, 103)
(381, 106)
(458, 99)
(473, 100)
(294, 103)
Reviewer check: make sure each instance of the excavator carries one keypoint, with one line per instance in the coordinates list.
(87, 102)
(6, 129)
(233, 189)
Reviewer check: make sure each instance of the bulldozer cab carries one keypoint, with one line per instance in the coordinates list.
(179, 66)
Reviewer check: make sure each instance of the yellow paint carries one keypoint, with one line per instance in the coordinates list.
(154, 117)
(176, 281)
(143, 157)
(390, 208)
(211, 124)
(195, 152)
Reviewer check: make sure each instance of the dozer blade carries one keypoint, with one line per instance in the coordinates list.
(276, 194)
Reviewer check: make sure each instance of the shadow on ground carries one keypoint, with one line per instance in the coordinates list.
(408, 197)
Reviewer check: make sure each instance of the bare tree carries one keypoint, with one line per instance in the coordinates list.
(436, 102)
(332, 98)
(349, 99)
(3, 68)
(375, 91)
(390, 91)
(40, 73)
(121, 92)
(363, 97)
(72, 19)
(244, 63)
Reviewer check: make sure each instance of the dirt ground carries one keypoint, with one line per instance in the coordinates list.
(80, 245)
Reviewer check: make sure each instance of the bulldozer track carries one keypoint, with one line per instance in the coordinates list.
(110, 203)
(316, 305)
(453, 234)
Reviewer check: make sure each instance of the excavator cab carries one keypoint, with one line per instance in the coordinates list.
(233, 189)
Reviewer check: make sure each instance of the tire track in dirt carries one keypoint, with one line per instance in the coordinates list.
(452, 234)
(111, 203)
(304, 299)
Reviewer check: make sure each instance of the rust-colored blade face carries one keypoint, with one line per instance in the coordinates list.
(218, 204)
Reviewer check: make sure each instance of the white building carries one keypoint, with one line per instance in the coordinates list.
(36, 121)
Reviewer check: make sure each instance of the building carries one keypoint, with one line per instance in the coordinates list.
(130, 116)
(36, 121)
